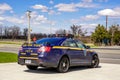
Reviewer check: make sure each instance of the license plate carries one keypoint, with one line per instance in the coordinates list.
(28, 61)
(29, 50)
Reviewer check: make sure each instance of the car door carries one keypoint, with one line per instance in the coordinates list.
(84, 58)
(71, 50)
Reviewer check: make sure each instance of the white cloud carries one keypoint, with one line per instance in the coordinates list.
(66, 7)
(75, 21)
(51, 22)
(84, 18)
(1, 18)
(117, 8)
(1, 23)
(103, 0)
(90, 17)
(92, 25)
(87, 0)
(38, 19)
(5, 7)
(14, 20)
(51, 2)
(34, 14)
(41, 7)
(110, 12)
(107, 12)
(51, 12)
(44, 29)
(72, 7)
(41, 18)
(86, 5)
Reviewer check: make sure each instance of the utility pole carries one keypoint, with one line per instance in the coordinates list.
(113, 31)
(106, 21)
(29, 29)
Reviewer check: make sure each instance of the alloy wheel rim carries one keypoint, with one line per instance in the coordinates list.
(64, 65)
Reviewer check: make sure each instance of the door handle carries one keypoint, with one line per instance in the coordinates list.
(68, 49)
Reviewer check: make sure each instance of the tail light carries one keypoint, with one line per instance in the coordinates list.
(44, 49)
(20, 49)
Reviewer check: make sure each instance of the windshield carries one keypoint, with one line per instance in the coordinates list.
(49, 41)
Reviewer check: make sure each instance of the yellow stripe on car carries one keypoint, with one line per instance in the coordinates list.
(33, 54)
(62, 47)
(23, 53)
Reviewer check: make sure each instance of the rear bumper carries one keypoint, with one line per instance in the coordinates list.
(37, 62)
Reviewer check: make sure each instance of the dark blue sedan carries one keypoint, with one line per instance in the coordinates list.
(59, 53)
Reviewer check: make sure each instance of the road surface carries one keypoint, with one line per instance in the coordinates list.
(109, 54)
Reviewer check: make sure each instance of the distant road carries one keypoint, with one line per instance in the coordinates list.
(107, 54)
(9, 48)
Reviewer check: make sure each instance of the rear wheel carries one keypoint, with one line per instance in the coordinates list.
(95, 61)
(30, 67)
(63, 65)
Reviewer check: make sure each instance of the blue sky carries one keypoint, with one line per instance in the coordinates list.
(50, 15)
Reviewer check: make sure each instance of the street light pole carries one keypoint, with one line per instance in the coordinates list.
(29, 30)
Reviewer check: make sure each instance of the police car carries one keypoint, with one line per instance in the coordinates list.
(57, 52)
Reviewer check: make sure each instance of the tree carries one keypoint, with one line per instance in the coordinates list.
(14, 31)
(77, 31)
(61, 31)
(81, 32)
(74, 29)
(6, 31)
(100, 35)
(1, 31)
(25, 32)
(114, 31)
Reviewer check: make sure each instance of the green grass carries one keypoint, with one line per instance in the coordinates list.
(7, 57)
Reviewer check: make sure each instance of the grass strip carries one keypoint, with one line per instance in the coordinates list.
(7, 57)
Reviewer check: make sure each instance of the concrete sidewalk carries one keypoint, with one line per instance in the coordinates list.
(13, 71)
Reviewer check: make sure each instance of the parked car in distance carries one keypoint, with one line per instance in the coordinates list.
(57, 52)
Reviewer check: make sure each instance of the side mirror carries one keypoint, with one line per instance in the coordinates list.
(87, 47)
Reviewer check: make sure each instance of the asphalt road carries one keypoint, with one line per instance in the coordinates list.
(107, 54)
(13, 71)
(9, 48)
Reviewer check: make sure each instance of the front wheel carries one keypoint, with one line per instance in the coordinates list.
(95, 61)
(30, 67)
(63, 65)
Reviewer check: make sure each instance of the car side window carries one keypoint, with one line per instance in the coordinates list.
(69, 43)
(79, 44)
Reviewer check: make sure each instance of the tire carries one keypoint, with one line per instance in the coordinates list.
(63, 65)
(30, 67)
(94, 62)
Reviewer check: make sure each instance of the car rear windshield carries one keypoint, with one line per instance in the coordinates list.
(50, 41)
